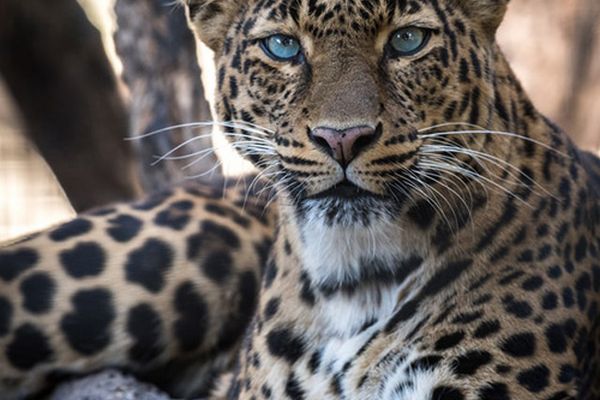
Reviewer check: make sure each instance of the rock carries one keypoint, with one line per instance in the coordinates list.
(107, 385)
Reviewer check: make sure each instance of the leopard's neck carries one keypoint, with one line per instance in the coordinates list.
(347, 277)
(355, 272)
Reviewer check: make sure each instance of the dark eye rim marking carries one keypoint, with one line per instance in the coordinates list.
(296, 59)
(394, 53)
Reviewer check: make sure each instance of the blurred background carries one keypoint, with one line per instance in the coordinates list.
(77, 77)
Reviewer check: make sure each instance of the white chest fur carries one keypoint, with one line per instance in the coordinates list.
(338, 257)
(344, 316)
(337, 253)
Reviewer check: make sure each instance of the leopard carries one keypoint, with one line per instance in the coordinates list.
(161, 288)
(436, 235)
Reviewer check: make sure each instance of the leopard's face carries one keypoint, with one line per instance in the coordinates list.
(345, 92)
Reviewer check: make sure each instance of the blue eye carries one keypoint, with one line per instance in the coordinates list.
(281, 47)
(408, 41)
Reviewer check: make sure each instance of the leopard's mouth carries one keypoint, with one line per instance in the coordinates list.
(344, 190)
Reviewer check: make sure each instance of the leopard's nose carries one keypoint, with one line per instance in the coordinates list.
(346, 144)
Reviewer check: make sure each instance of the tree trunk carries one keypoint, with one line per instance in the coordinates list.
(582, 91)
(158, 52)
(56, 69)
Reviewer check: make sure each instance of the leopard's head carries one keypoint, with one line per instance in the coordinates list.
(339, 101)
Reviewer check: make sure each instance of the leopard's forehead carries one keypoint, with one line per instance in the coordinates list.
(326, 10)
(326, 18)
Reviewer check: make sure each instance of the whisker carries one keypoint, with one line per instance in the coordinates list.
(498, 162)
(179, 146)
(430, 128)
(210, 171)
(435, 195)
(259, 175)
(170, 128)
(454, 192)
(434, 155)
(237, 121)
(454, 168)
(419, 186)
(206, 152)
(198, 160)
(246, 147)
(447, 144)
(261, 131)
(454, 161)
(499, 133)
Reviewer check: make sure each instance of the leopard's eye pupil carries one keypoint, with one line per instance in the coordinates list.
(408, 41)
(281, 47)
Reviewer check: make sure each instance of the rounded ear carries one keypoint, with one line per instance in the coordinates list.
(489, 13)
(211, 19)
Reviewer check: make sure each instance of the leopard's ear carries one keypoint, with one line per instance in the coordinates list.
(486, 13)
(211, 19)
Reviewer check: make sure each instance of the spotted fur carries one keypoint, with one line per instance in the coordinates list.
(462, 261)
(162, 288)
(454, 257)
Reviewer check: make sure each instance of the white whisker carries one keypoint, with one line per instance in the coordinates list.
(453, 168)
(430, 128)
(498, 133)
(498, 162)
(210, 171)
(254, 129)
(239, 121)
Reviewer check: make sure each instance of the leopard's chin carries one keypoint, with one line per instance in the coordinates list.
(346, 204)
(355, 210)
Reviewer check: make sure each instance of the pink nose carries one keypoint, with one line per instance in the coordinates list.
(343, 145)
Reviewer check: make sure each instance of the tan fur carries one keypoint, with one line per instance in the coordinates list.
(454, 257)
